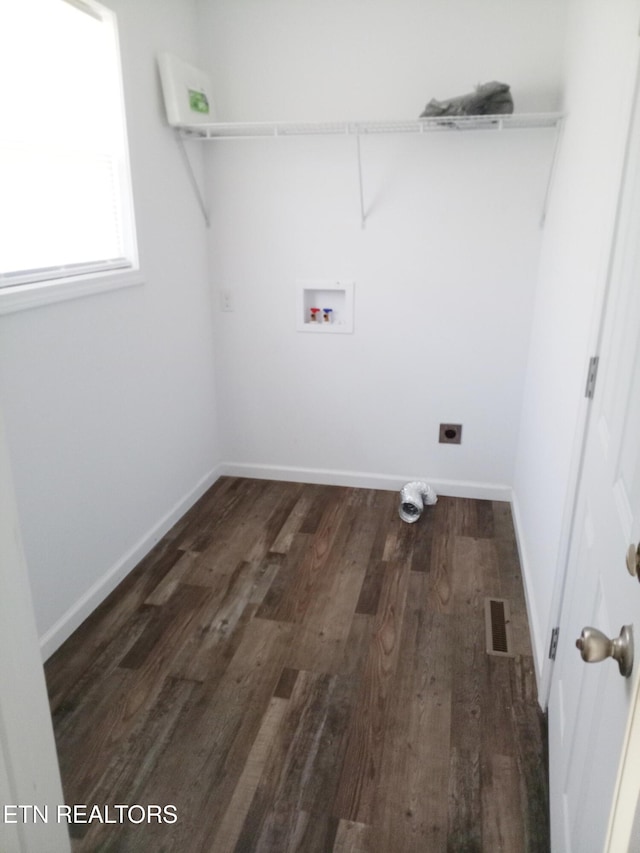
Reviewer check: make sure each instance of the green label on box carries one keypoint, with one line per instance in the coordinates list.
(198, 101)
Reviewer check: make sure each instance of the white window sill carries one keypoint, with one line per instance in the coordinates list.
(22, 297)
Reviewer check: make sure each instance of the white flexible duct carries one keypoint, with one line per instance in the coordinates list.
(413, 499)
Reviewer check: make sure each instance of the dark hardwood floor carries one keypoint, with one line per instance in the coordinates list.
(296, 669)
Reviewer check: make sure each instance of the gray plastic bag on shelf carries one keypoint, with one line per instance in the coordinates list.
(488, 99)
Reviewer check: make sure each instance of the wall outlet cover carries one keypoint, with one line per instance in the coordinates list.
(450, 434)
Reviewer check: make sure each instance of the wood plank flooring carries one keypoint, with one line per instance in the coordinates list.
(295, 669)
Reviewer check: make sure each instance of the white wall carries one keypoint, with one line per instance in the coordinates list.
(444, 271)
(601, 55)
(109, 400)
(355, 59)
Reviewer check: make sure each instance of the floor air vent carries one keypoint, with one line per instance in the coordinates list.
(498, 627)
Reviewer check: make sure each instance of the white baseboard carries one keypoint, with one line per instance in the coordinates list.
(86, 604)
(366, 480)
(538, 639)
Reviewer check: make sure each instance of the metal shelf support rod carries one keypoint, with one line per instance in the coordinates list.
(363, 216)
(192, 178)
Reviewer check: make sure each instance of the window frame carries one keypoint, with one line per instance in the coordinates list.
(31, 288)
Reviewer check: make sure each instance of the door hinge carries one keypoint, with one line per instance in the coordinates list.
(553, 647)
(591, 377)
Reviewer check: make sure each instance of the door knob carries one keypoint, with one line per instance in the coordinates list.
(633, 561)
(595, 646)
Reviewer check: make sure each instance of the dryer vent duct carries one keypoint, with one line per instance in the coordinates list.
(413, 499)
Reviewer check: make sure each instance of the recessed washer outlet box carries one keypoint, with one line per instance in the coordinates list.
(325, 306)
(450, 434)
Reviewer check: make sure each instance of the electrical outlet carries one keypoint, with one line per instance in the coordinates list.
(450, 434)
(226, 300)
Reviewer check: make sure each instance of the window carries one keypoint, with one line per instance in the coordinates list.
(66, 211)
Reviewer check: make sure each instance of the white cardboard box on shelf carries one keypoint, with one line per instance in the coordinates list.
(187, 92)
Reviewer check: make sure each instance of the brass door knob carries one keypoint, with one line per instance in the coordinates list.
(595, 646)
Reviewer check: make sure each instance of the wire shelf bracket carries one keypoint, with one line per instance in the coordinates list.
(192, 179)
(217, 131)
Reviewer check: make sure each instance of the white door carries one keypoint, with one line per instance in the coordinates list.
(590, 703)
(29, 772)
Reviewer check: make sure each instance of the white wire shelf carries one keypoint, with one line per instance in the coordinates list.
(244, 130)
(358, 129)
